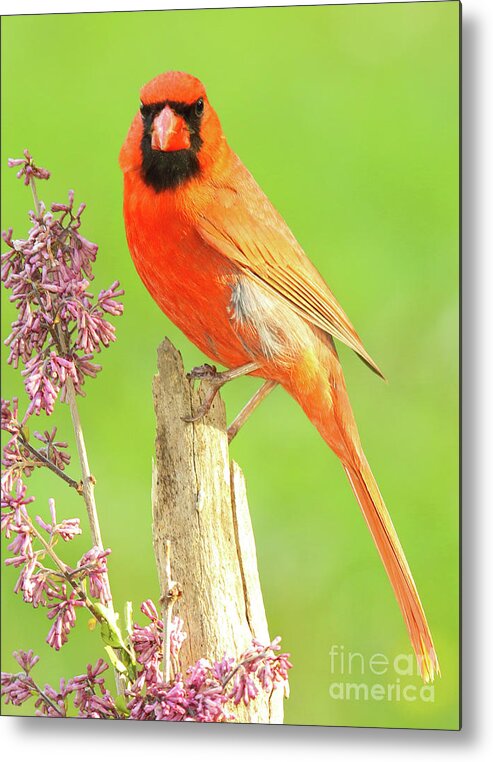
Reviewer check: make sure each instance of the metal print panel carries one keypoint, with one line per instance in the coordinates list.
(230, 371)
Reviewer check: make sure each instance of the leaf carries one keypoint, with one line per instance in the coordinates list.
(130, 664)
(117, 664)
(110, 629)
(121, 705)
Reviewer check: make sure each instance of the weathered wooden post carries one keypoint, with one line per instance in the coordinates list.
(200, 506)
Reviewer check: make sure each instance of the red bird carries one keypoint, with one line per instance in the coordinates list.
(221, 262)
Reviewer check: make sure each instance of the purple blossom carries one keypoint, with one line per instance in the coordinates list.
(244, 688)
(26, 659)
(67, 529)
(63, 614)
(17, 689)
(93, 565)
(52, 449)
(51, 703)
(148, 608)
(60, 325)
(35, 583)
(206, 690)
(223, 668)
(28, 169)
(198, 673)
(9, 416)
(21, 545)
(107, 300)
(147, 641)
(16, 460)
(40, 586)
(39, 386)
(91, 698)
(259, 666)
(204, 694)
(15, 502)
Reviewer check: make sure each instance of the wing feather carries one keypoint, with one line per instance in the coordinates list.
(264, 248)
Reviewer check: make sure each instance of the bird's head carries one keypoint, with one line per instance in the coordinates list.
(175, 136)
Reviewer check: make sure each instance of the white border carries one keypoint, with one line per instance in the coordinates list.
(16, 7)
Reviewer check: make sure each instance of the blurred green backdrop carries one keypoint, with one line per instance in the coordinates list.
(348, 118)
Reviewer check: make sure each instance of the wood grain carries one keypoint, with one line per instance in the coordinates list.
(200, 505)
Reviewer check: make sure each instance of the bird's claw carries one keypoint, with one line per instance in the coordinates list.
(204, 372)
(216, 379)
(201, 411)
(205, 406)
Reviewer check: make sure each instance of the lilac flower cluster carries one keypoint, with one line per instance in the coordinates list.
(93, 565)
(207, 693)
(58, 329)
(28, 169)
(20, 458)
(208, 690)
(87, 692)
(57, 587)
(15, 459)
(53, 450)
(60, 325)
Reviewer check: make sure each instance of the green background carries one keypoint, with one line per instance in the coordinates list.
(348, 118)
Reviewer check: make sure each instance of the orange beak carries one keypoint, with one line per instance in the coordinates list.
(169, 132)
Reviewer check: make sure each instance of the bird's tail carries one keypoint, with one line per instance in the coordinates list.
(385, 537)
(324, 398)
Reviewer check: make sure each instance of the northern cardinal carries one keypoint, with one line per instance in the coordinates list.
(221, 262)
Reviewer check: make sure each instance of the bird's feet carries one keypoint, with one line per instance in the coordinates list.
(215, 378)
(203, 372)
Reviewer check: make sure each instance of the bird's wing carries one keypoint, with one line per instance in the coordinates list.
(242, 225)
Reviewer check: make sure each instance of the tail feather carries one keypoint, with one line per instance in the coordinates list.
(324, 398)
(382, 530)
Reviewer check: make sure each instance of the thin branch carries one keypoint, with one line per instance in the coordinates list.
(45, 697)
(49, 464)
(171, 593)
(68, 574)
(242, 664)
(87, 478)
(37, 205)
(33, 686)
(88, 494)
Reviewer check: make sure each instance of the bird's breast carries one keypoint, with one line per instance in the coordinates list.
(190, 282)
(230, 315)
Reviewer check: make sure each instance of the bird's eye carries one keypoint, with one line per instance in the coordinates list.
(199, 107)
